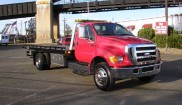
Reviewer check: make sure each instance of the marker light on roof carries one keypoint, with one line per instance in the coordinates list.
(81, 20)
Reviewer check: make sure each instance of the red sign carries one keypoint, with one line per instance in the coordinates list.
(161, 28)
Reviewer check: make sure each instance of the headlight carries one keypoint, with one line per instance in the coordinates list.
(158, 54)
(115, 59)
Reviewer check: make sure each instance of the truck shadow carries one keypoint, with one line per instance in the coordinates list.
(57, 68)
(10, 47)
(171, 71)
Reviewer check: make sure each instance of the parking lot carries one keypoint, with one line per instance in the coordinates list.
(22, 84)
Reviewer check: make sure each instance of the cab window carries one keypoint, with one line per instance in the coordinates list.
(86, 32)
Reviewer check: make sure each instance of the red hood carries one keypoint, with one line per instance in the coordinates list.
(125, 40)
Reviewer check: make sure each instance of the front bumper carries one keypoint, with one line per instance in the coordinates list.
(136, 71)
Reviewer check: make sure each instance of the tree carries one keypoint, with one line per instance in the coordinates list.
(31, 30)
(67, 30)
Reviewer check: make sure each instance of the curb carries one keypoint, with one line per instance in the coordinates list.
(170, 51)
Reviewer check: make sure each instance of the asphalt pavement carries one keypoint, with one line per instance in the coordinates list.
(22, 84)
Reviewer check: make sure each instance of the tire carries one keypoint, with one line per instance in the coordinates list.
(40, 61)
(102, 77)
(34, 62)
(147, 78)
(48, 61)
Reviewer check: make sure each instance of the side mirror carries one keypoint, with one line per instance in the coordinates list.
(87, 37)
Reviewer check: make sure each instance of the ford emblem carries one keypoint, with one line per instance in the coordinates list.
(146, 54)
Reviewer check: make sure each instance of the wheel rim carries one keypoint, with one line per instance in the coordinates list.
(38, 61)
(101, 77)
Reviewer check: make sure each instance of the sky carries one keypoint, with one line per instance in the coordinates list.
(114, 16)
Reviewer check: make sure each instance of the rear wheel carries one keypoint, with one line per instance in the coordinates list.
(146, 78)
(40, 61)
(48, 61)
(102, 77)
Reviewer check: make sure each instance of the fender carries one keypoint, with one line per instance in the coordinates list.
(106, 50)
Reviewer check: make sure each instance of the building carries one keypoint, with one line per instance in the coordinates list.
(135, 25)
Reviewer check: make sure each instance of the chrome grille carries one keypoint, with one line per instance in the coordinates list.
(141, 54)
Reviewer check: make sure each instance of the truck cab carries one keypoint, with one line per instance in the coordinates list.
(122, 54)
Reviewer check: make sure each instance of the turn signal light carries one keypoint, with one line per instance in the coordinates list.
(115, 59)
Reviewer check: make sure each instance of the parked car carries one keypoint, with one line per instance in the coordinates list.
(64, 40)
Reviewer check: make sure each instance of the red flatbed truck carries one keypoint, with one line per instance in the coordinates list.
(105, 50)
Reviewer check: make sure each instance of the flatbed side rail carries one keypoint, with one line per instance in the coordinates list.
(48, 49)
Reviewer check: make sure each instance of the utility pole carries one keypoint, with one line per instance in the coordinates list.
(26, 31)
(26, 27)
(166, 15)
(21, 31)
(88, 6)
(166, 10)
(64, 25)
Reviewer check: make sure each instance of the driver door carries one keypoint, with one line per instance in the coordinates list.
(85, 44)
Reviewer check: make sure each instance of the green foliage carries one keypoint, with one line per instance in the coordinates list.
(147, 33)
(68, 30)
(160, 40)
(175, 32)
(173, 41)
(31, 30)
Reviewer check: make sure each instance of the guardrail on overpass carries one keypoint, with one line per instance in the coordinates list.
(114, 5)
(28, 9)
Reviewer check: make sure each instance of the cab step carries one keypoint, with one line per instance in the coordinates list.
(79, 68)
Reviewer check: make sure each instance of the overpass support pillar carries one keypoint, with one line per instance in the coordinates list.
(56, 26)
(45, 23)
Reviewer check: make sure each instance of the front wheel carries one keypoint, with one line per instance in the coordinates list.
(146, 78)
(102, 77)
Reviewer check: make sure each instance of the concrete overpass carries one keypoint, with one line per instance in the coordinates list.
(47, 13)
(114, 5)
(18, 10)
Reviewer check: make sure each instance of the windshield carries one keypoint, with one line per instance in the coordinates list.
(109, 29)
